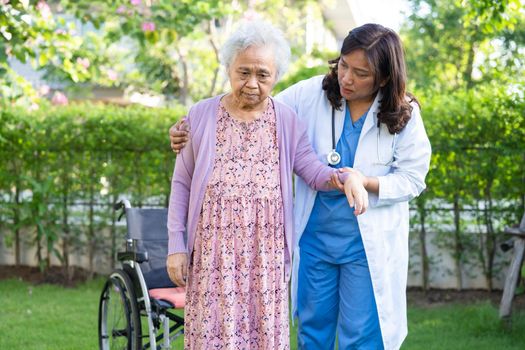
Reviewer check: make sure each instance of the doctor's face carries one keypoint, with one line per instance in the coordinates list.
(356, 77)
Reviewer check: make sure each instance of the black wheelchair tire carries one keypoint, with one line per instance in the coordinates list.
(120, 285)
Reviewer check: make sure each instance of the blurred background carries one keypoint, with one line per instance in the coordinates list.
(88, 90)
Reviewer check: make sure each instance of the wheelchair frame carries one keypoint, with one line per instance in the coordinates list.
(129, 286)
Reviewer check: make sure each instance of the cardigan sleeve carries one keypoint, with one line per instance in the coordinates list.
(179, 198)
(306, 164)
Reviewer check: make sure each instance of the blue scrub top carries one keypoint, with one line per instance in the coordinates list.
(332, 232)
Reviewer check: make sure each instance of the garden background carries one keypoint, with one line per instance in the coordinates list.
(65, 158)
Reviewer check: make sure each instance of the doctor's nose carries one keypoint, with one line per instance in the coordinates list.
(348, 79)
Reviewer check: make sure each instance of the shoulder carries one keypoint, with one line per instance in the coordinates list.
(313, 84)
(202, 110)
(282, 108)
(205, 104)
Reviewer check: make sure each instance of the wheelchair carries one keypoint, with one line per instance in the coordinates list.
(138, 304)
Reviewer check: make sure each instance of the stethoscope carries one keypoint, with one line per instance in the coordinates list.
(334, 158)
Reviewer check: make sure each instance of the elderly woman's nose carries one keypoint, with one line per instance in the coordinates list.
(252, 81)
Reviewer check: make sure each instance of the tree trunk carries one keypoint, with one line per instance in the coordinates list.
(66, 230)
(113, 232)
(458, 246)
(184, 89)
(490, 240)
(16, 222)
(91, 226)
(423, 245)
(212, 33)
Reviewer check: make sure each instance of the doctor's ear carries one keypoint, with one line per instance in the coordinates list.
(384, 82)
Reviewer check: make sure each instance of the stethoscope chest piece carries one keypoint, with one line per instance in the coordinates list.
(333, 157)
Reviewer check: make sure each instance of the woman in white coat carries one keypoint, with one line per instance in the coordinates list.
(350, 271)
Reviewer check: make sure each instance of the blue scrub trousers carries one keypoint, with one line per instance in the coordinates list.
(336, 297)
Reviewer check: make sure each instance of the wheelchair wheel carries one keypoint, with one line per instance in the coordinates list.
(119, 318)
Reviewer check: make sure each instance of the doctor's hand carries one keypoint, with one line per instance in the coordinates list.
(335, 181)
(355, 192)
(179, 135)
(177, 266)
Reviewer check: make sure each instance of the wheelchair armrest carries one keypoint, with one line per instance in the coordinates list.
(139, 257)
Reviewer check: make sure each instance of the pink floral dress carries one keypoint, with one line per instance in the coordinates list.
(237, 297)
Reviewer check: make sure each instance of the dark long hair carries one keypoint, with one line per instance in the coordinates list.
(384, 51)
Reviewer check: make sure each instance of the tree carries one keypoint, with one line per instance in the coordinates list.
(465, 62)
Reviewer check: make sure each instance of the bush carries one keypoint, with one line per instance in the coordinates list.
(62, 168)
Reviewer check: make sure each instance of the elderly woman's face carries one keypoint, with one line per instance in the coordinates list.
(252, 76)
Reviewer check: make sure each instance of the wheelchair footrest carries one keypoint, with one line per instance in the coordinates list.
(176, 296)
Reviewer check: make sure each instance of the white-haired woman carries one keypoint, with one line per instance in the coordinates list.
(232, 195)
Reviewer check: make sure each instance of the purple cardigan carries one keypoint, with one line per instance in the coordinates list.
(194, 165)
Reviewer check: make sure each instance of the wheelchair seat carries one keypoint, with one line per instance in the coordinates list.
(175, 295)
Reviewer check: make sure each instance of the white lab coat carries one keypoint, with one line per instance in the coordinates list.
(400, 162)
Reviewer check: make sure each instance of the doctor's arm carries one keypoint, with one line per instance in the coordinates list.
(406, 179)
(317, 175)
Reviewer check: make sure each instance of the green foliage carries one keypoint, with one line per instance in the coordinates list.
(460, 44)
(56, 159)
(464, 62)
(309, 65)
(32, 33)
(152, 46)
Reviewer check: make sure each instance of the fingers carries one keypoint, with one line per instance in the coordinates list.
(178, 143)
(356, 194)
(350, 197)
(336, 183)
(361, 202)
(179, 135)
(176, 265)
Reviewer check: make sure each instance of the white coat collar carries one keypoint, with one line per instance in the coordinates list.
(371, 117)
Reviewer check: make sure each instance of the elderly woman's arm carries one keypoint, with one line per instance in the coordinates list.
(318, 175)
(176, 262)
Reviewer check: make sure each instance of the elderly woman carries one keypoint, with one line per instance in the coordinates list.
(232, 196)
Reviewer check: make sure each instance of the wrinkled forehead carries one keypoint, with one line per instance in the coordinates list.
(260, 57)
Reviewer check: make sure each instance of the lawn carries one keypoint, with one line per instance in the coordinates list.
(52, 317)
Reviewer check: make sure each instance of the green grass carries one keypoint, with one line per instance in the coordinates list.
(51, 317)
(474, 326)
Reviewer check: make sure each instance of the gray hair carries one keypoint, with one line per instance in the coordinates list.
(257, 34)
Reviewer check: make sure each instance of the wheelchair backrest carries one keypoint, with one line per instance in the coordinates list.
(148, 228)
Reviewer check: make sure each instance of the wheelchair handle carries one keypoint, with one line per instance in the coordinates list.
(122, 204)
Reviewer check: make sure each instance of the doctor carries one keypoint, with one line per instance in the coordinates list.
(350, 272)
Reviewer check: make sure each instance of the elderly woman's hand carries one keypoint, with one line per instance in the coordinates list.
(176, 265)
(179, 135)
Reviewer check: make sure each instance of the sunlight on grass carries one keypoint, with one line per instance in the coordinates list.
(52, 317)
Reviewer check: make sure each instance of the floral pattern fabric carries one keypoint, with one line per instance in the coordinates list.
(237, 296)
